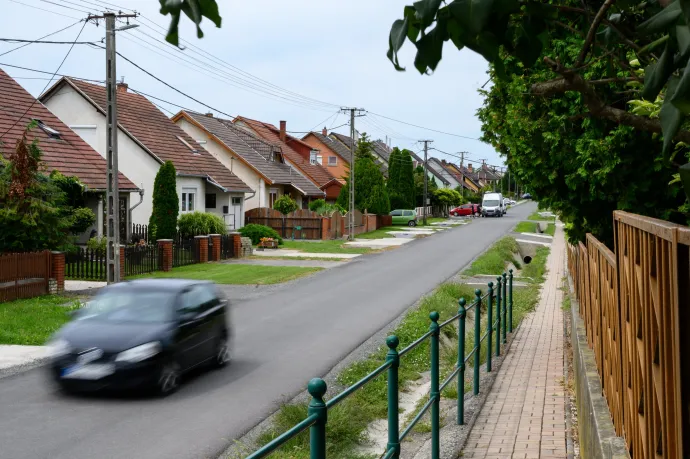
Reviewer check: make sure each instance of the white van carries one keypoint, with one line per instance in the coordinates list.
(492, 205)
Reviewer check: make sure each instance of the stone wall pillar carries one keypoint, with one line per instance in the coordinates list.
(57, 264)
(122, 263)
(165, 247)
(202, 244)
(325, 228)
(214, 254)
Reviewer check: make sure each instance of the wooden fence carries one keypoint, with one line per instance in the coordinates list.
(24, 275)
(634, 304)
(300, 224)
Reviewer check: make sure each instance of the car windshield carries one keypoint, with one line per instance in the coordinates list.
(135, 305)
(491, 203)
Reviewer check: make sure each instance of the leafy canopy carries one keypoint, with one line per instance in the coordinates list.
(285, 204)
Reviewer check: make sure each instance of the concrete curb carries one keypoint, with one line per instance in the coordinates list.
(597, 436)
(22, 367)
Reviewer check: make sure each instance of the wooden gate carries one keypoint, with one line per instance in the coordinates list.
(24, 275)
(336, 225)
(267, 217)
(303, 224)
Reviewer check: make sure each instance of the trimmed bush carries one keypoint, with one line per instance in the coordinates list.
(285, 204)
(97, 243)
(314, 206)
(166, 203)
(200, 223)
(256, 232)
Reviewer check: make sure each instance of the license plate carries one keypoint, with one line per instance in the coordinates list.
(88, 371)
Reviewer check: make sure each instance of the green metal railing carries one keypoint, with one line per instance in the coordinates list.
(317, 414)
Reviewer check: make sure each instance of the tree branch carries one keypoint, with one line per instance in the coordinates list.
(592, 31)
(574, 82)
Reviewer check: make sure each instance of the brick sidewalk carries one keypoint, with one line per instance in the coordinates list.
(524, 414)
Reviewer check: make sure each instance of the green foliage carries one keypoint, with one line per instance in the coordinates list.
(314, 206)
(419, 186)
(200, 223)
(32, 321)
(494, 260)
(447, 197)
(256, 232)
(97, 243)
(195, 10)
(285, 204)
(407, 183)
(82, 219)
(166, 203)
(33, 210)
(401, 181)
(370, 188)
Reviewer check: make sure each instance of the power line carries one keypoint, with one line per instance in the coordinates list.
(47, 84)
(425, 128)
(49, 73)
(72, 3)
(41, 38)
(63, 6)
(48, 42)
(43, 9)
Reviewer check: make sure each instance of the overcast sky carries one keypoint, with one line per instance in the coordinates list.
(330, 52)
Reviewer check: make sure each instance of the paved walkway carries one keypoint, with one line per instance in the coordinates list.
(524, 414)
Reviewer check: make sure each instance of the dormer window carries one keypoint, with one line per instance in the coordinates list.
(52, 133)
(194, 150)
(315, 157)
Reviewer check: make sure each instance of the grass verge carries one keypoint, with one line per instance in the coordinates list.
(234, 274)
(550, 229)
(336, 246)
(32, 321)
(380, 233)
(494, 260)
(536, 216)
(259, 257)
(526, 227)
(348, 421)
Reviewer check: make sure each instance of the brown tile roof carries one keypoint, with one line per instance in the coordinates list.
(155, 131)
(379, 149)
(335, 146)
(69, 154)
(272, 134)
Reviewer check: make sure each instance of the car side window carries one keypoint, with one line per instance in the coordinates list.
(207, 296)
(191, 301)
(409, 213)
(396, 213)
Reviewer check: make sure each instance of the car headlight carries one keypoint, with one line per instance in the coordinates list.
(58, 348)
(139, 353)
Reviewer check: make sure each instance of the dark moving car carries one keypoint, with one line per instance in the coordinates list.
(142, 333)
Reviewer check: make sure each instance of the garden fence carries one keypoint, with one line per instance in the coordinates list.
(85, 264)
(142, 259)
(185, 251)
(24, 275)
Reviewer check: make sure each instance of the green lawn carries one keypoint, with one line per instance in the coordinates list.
(536, 216)
(550, 229)
(32, 321)
(494, 260)
(336, 246)
(235, 273)
(380, 233)
(526, 227)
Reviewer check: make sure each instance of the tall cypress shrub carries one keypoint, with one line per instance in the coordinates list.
(166, 203)
(406, 186)
(393, 184)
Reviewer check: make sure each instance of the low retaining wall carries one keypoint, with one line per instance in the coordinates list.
(597, 436)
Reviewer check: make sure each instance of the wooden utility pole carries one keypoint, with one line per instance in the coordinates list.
(426, 177)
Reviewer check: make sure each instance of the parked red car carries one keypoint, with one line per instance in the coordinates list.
(463, 210)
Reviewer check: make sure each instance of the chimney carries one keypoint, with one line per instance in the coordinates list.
(209, 114)
(282, 131)
(443, 161)
(469, 167)
(122, 86)
(324, 131)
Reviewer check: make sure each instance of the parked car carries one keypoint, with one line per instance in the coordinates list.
(404, 217)
(463, 210)
(142, 333)
(526, 196)
(493, 205)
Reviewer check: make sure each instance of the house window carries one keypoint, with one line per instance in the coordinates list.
(210, 200)
(272, 196)
(332, 160)
(52, 133)
(315, 157)
(188, 200)
(236, 201)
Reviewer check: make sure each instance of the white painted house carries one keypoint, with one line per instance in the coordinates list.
(255, 161)
(449, 180)
(146, 139)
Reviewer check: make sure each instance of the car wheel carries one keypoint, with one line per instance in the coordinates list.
(454, 214)
(412, 223)
(169, 378)
(222, 356)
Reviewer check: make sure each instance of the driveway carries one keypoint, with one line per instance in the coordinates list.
(283, 338)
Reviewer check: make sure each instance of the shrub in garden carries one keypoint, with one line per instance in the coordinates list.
(166, 203)
(200, 223)
(285, 204)
(256, 232)
(314, 206)
(97, 243)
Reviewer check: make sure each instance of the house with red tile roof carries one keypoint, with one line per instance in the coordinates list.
(300, 155)
(63, 150)
(146, 139)
(335, 156)
(253, 159)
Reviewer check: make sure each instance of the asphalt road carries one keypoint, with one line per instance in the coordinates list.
(282, 340)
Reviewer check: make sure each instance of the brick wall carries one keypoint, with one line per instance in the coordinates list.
(237, 244)
(165, 248)
(58, 270)
(214, 254)
(202, 244)
(122, 263)
(325, 228)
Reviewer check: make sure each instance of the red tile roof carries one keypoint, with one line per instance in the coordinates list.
(69, 154)
(271, 133)
(157, 133)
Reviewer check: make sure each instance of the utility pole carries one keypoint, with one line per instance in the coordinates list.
(426, 176)
(353, 146)
(112, 192)
(462, 174)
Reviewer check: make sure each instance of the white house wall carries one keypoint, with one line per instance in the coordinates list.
(134, 162)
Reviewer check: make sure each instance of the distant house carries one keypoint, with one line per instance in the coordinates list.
(449, 177)
(146, 139)
(381, 151)
(431, 172)
(335, 156)
(298, 154)
(257, 162)
(63, 150)
(461, 174)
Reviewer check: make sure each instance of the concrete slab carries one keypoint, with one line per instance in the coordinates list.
(297, 263)
(298, 253)
(78, 286)
(545, 236)
(379, 243)
(411, 234)
(526, 241)
(12, 356)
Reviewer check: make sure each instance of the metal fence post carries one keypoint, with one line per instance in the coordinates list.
(501, 319)
(462, 313)
(435, 393)
(509, 323)
(477, 338)
(510, 301)
(489, 311)
(317, 432)
(393, 427)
